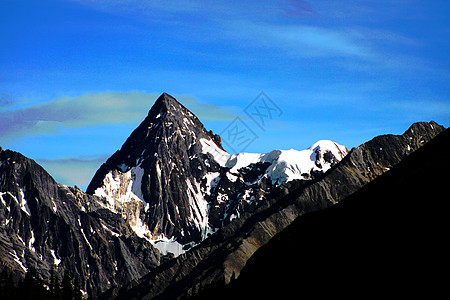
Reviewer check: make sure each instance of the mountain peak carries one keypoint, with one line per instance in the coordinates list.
(165, 101)
(166, 98)
(168, 104)
(170, 182)
(154, 179)
(423, 127)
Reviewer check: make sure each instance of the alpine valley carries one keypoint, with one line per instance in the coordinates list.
(173, 215)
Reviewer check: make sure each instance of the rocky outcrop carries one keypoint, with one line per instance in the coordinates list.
(47, 225)
(174, 183)
(168, 187)
(226, 252)
(158, 170)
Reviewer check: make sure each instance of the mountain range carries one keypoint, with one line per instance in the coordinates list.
(172, 211)
(175, 184)
(387, 238)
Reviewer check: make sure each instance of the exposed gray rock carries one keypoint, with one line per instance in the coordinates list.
(45, 224)
(388, 238)
(165, 148)
(226, 252)
(172, 179)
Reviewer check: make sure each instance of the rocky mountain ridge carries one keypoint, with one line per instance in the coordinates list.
(48, 225)
(175, 184)
(173, 188)
(387, 238)
(223, 255)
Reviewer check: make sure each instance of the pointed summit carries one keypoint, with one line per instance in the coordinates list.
(164, 103)
(154, 179)
(168, 104)
(174, 183)
(166, 98)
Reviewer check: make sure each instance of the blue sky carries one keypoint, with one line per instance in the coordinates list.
(78, 76)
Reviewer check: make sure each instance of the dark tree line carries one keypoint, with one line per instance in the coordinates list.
(32, 286)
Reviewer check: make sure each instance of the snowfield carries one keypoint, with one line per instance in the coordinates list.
(285, 165)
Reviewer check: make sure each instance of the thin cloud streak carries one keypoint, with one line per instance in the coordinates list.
(251, 26)
(90, 110)
(73, 170)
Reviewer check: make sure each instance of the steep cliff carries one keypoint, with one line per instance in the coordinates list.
(47, 225)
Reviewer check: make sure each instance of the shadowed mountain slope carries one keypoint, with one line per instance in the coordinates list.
(48, 225)
(388, 238)
(226, 252)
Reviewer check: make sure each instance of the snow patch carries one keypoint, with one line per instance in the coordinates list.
(198, 207)
(23, 202)
(231, 177)
(242, 160)
(222, 198)
(122, 187)
(338, 151)
(285, 165)
(162, 243)
(220, 156)
(54, 207)
(212, 179)
(20, 239)
(87, 241)
(165, 245)
(111, 231)
(56, 261)
(31, 242)
(1, 198)
(17, 260)
(141, 229)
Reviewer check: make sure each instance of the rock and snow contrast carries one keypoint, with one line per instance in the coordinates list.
(48, 226)
(167, 189)
(284, 165)
(224, 256)
(175, 184)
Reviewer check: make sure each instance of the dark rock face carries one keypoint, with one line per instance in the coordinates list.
(172, 179)
(44, 224)
(388, 238)
(226, 252)
(165, 148)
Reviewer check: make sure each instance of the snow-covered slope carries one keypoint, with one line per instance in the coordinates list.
(175, 184)
(287, 165)
(247, 178)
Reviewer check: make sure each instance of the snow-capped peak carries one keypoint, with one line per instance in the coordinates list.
(285, 165)
(337, 150)
(165, 179)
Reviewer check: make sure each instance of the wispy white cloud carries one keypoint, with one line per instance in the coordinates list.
(279, 26)
(94, 109)
(306, 41)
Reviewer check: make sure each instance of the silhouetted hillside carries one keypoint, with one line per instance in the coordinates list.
(387, 239)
